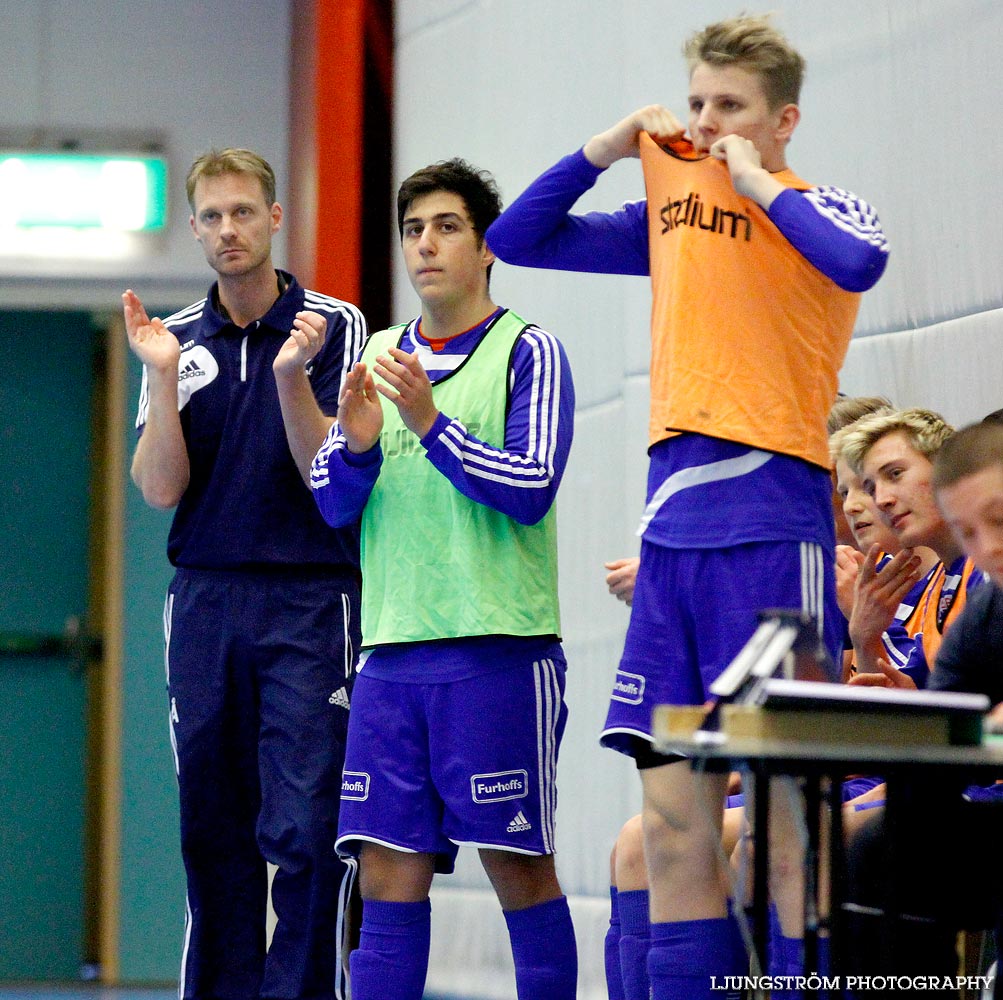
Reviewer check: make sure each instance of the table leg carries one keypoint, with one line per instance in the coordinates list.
(836, 919)
(812, 813)
(761, 866)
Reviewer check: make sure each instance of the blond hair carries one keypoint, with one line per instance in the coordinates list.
(217, 162)
(845, 412)
(849, 409)
(925, 430)
(751, 42)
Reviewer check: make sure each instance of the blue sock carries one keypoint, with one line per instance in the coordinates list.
(786, 959)
(774, 967)
(691, 959)
(635, 939)
(824, 957)
(824, 964)
(392, 957)
(614, 981)
(544, 951)
(738, 957)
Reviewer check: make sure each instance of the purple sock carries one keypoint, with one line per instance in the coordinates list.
(693, 959)
(774, 966)
(544, 951)
(635, 939)
(392, 957)
(614, 981)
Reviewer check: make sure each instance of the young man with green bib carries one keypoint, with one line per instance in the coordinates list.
(452, 436)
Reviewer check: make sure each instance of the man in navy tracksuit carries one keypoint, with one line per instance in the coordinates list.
(261, 620)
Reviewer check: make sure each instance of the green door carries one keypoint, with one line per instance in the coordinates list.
(45, 502)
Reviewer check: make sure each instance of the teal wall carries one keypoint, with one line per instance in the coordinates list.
(45, 442)
(45, 457)
(152, 887)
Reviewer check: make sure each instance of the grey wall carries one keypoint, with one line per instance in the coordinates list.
(191, 75)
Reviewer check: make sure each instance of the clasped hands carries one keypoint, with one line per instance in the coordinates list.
(405, 383)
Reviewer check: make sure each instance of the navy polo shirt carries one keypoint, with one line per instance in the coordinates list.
(246, 506)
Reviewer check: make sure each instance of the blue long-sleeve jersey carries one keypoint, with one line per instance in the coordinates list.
(837, 232)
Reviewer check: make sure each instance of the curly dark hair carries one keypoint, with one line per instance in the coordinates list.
(476, 187)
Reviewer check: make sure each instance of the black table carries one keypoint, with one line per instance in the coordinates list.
(822, 767)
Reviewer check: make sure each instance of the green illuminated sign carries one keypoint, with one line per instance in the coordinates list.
(82, 191)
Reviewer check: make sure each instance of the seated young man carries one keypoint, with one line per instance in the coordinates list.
(893, 454)
(858, 527)
(880, 585)
(951, 876)
(845, 411)
(881, 588)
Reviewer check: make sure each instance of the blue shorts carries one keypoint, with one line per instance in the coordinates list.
(430, 767)
(852, 787)
(694, 609)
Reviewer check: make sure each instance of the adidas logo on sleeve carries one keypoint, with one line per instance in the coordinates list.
(197, 368)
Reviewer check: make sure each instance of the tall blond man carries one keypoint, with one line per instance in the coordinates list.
(261, 619)
(756, 277)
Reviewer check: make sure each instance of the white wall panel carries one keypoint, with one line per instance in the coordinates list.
(472, 958)
(954, 367)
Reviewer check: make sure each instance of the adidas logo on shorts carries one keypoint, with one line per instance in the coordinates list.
(519, 824)
(339, 698)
